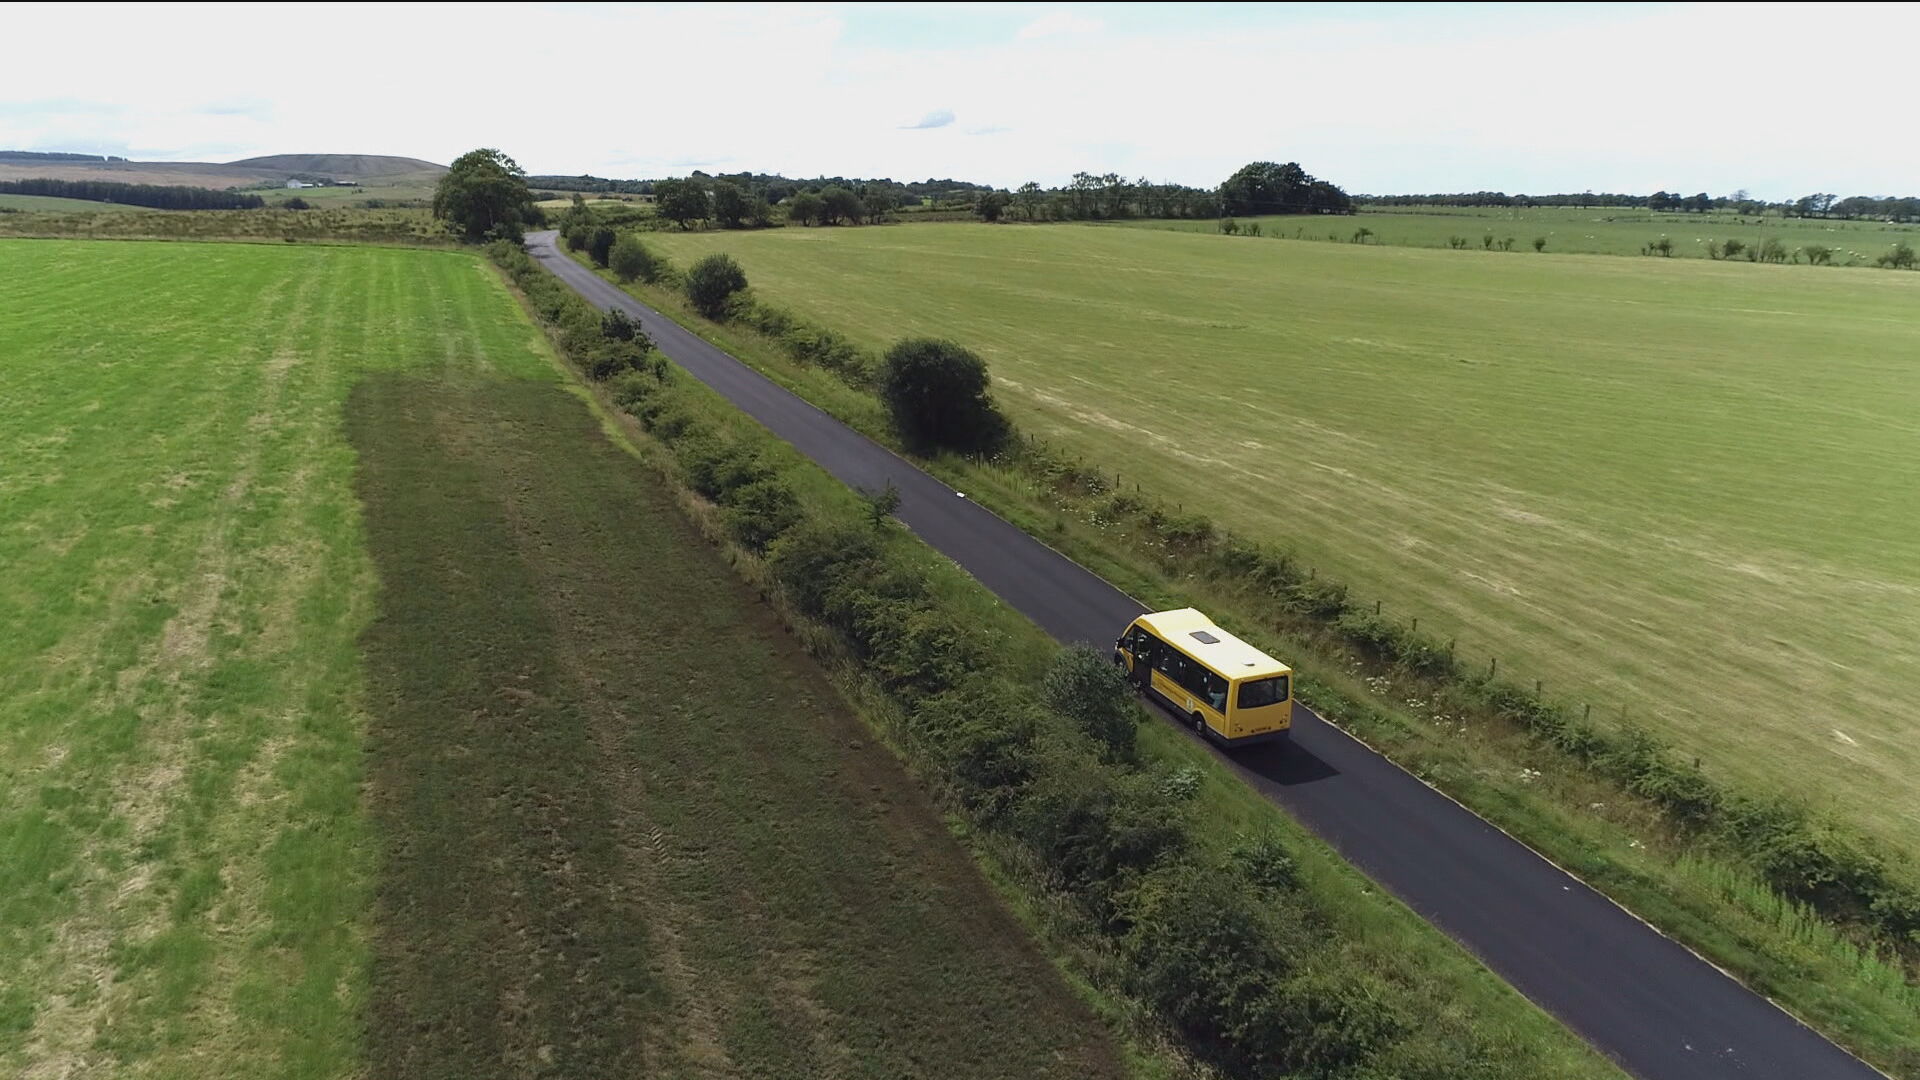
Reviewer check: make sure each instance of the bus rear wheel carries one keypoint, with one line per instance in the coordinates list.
(1199, 724)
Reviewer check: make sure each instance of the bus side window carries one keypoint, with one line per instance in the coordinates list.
(1216, 692)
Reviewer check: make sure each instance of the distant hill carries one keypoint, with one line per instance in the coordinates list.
(344, 166)
(370, 170)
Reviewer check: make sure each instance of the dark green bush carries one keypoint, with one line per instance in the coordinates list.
(715, 466)
(982, 732)
(938, 395)
(712, 283)
(1265, 862)
(1094, 829)
(761, 512)
(600, 245)
(1084, 686)
(616, 325)
(631, 259)
(810, 561)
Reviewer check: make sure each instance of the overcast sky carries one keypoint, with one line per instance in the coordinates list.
(1780, 100)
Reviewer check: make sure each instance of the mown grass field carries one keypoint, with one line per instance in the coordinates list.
(1669, 488)
(48, 203)
(293, 788)
(1572, 230)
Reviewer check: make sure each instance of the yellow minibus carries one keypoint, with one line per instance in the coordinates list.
(1230, 692)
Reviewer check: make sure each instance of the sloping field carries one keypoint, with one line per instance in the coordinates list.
(296, 785)
(1573, 230)
(50, 203)
(371, 168)
(374, 169)
(1674, 489)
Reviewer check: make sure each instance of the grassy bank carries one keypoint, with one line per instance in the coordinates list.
(1465, 737)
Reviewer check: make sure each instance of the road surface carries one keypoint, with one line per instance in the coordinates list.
(1643, 1000)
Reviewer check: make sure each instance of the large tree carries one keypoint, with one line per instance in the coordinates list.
(682, 202)
(484, 195)
(939, 395)
(837, 204)
(804, 207)
(1264, 187)
(731, 206)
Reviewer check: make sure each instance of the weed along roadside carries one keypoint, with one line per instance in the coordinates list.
(1703, 863)
(1205, 913)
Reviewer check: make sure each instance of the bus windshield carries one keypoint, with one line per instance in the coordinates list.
(1259, 693)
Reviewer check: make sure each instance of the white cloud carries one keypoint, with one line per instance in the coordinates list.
(938, 118)
(1058, 23)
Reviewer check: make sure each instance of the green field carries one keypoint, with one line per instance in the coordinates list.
(1572, 230)
(48, 203)
(1669, 488)
(328, 224)
(336, 741)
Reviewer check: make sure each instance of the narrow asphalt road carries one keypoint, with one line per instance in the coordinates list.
(1652, 1006)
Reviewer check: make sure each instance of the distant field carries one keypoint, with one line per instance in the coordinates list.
(321, 224)
(1672, 488)
(373, 169)
(1598, 231)
(335, 742)
(45, 203)
(345, 196)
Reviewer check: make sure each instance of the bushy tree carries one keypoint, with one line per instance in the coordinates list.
(484, 196)
(1264, 187)
(1539, 243)
(296, 203)
(730, 205)
(618, 326)
(712, 282)
(600, 245)
(682, 202)
(991, 205)
(577, 236)
(837, 204)
(1088, 689)
(938, 394)
(577, 215)
(632, 259)
(805, 208)
(1901, 257)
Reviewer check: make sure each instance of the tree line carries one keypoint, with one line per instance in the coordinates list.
(1822, 205)
(153, 196)
(49, 155)
(758, 200)
(1262, 187)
